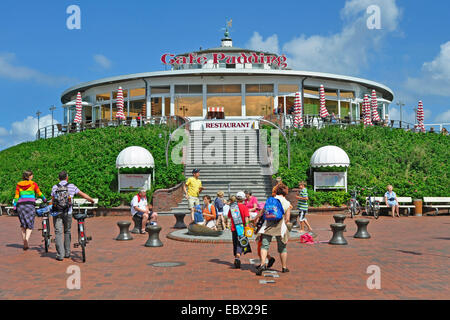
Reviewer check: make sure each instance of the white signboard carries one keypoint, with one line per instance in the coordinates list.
(134, 181)
(230, 125)
(330, 180)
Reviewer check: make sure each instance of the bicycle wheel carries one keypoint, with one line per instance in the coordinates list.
(376, 209)
(83, 250)
(350, 208)
(357, 208)
(368, 208)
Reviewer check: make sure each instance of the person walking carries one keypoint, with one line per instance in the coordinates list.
(24, 203)
(192, 189)
(243, 216)
(278, 229)
(62, 200)
(302, 206)
(219, 204)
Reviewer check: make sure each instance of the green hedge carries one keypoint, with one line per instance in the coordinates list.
(416, 164)
(89, 157)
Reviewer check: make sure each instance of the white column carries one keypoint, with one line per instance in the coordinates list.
(148, 102)
(163, 106)
(172, 100)
(110, 105)
(339, 102)
(243, 109)
(384, 111)
(275, 96)
(205, 101)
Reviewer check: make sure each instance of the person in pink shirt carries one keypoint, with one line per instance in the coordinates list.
(251, 202)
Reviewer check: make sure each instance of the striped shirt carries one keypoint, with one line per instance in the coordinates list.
(303, 204)
(27, 192)
(71, 188)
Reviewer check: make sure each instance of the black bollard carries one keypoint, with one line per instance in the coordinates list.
(338, 234)
(362, 229)
(124, 230)
(137, 224)
(339, 218)
(180, 221)
(153, 236)
(294, 220)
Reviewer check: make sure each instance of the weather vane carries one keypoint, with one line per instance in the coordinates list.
(229, 24)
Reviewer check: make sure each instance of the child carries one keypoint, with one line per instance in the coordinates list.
(391, 200)
(244, 216)
(302, 206)
(219, 203)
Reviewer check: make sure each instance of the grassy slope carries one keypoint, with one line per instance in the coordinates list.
(89, 157)
(415, 164)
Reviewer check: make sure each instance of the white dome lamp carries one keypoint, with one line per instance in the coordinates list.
(135, 157)
(330, 156)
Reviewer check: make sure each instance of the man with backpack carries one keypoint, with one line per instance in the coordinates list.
(62, 200)
(276, 214)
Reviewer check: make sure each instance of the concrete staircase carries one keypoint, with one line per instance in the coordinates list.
(229, 161)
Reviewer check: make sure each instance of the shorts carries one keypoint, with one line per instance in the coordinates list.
(210, 224)
(253, 215)
(141, 214)
(302, 215)
(266, 239)
(193, 201)
(392, 203)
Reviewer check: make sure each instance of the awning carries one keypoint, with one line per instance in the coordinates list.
(135, 157)
(329, 156)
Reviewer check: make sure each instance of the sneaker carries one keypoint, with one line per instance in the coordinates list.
(237, 263)
(153, 223)
(59, 259)
(271, 262)
(284, 270)
(260, 269)
(67, 256)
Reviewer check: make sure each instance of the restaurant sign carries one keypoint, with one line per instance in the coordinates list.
(229, 125)
(219, 57)
(134, 181)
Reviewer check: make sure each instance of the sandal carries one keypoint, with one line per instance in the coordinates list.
(143, 232)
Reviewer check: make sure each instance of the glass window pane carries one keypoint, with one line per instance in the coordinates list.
(162, 89)
(136, 107)
(310, 90)
(332, 106)
(330, 93)
(258, 105)
(347, 94)
(125, 94)
(214, 88)
(232, 88)
(266, 88)
(181, 89)
(252, 88)
(345, 109)
(189, 106)
(311, 106)
(232, 105)
(137, 92)
(288, 88)
(103, 96)
(197, 88)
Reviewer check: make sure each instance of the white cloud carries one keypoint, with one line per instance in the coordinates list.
(10, 70)
(347, 51)
(102, 61)
(443, 117)
(269, 45)
(435, 75)
(24, 130)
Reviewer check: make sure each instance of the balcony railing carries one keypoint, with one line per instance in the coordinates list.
(60, 129)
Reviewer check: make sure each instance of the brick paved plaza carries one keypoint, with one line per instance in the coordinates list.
(413, 254)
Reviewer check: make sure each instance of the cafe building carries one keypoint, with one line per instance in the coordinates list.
(223, 82)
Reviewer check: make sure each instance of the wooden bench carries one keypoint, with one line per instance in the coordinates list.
(403, 203)
(83, 204)
(77, 203)
(437, 203)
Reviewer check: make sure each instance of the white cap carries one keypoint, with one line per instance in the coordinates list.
(240, 195)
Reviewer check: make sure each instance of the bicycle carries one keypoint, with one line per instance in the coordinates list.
(353, 206)
(372, 205)
(44, 212)
(83, 240)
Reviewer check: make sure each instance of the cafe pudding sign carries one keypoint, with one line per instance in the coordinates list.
(218, 57)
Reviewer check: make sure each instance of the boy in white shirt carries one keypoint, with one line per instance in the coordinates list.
(140, 207)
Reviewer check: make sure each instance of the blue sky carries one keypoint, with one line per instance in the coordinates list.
(40, 57)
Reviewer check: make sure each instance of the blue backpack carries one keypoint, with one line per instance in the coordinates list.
(198, 215)
(273, 210)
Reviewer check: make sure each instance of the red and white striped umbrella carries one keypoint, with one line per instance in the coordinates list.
(298, 120)
(367, 113)
(420, 117)
(120, 115)
(374, 102)
(323, 109)
(79, 107)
